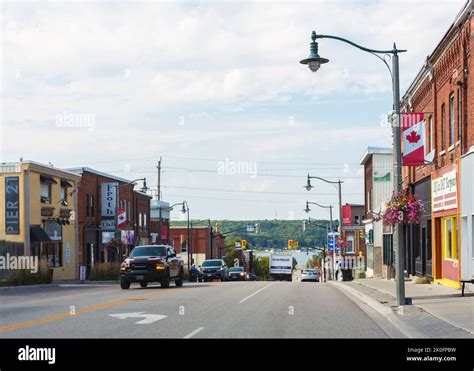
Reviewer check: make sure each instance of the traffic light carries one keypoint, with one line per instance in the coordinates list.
(361, 234)
(290, 244)
(243, 244)
(295, 244)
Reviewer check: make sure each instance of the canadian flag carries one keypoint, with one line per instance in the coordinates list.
(121, 217)
(413, 127)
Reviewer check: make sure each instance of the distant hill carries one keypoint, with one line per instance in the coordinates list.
(272, 233)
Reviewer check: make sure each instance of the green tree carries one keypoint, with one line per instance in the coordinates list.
(261, 267)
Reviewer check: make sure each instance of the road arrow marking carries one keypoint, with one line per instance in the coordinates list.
(148, 318)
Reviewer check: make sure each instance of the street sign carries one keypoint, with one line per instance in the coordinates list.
(82, 272)
(332, 241)
(251, 228)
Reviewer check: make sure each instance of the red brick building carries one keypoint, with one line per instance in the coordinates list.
(443, 91)
(95, 215)
(142, 223)
(202, 239)
(353, 229)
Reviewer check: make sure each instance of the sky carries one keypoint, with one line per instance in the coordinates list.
(214, 88)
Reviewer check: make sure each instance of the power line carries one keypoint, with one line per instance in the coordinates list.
(258, 192)
(156, 157)
(237, 199)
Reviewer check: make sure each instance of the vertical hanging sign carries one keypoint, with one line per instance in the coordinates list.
(413, 132)
(12, 205)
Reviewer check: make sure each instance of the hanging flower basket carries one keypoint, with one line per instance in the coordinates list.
(403, 208)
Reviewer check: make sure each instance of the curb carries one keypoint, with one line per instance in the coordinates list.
(380, 308)
(20, 287)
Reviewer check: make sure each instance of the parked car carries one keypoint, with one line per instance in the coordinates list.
(214, 269)
(195, 274)
(251, 277)
(237, 274)
(310, 275)
(151, 263)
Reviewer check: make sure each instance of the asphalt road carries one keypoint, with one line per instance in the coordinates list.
(198, 310)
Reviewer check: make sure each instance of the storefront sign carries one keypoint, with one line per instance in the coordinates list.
(444, 192)
(108, 198)
(12, 205)
(68, 254)
(382, 176)
(346, 215)
(108, 225)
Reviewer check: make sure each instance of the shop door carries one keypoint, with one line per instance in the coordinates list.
(428, 251)
(418, 246)
(437, 248)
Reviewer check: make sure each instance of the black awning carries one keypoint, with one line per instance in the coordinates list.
(65, 183)
(37, 234)
(47, 179)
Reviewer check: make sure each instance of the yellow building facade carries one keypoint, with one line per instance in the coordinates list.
(38, 206)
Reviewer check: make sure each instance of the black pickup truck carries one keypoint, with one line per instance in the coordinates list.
(151, 263)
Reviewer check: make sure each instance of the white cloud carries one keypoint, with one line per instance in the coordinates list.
(141, 67)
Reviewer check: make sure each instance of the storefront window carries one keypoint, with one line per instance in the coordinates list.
(350, 244)
(51, 253)
(450, 238)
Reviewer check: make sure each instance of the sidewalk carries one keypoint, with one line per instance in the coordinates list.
(68, 283)
(442, 302)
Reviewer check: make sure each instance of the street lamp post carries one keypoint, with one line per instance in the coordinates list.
(327, 243)
(185, 209)
(308, 187)
(314, 61)
(307, 209)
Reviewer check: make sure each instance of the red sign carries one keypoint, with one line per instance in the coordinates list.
(164, 232)
(346, 215)
(413, 126)
(121, 218)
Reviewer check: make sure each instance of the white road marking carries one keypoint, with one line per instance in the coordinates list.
(191, 334)
(148, 318)
(255, 293)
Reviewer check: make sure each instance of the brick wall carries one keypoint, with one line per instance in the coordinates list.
(449, 79)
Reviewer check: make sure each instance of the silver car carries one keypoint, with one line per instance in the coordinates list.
(310, 275)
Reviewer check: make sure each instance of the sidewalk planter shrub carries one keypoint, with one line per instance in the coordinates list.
(21, 277)
(105, 272)
(403, 208)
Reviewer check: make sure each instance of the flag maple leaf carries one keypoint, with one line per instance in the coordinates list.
(413, 137)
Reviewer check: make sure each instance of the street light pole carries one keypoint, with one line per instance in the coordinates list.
(327, 239)
(397, 164)
(185, 209)
(314, 62)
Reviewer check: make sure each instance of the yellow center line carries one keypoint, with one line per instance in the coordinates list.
(92, 308)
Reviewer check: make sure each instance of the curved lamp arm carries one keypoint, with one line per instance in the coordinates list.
(391, 51)
(375, 52)
(325, 180)
(315, 203)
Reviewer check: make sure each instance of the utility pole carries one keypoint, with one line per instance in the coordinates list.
(158, 197)
(159, 180)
